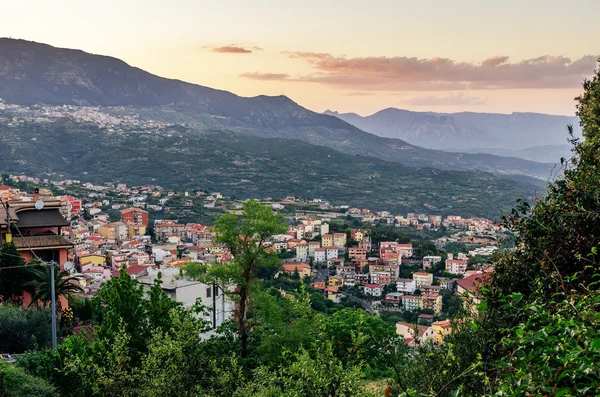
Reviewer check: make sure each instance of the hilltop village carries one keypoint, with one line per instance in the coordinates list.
(348, 256)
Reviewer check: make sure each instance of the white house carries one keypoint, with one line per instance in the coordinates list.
(373, 289)
(188, 292)
(332, 252)
(320, 255)
(406, 285)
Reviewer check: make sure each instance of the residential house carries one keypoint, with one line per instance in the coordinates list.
(320, 255)
(357, 253)
(468, 289)
(430, 289)
(373, 289)
(302, 251)
(381, 278)
(134, 216)
(339, 239)
(425, 318)
(413, 333)
(456, 266)
(405, 250)
(406, 285)
(441, 328)
(393, 298)
(432, 301)
(361, 278)
(358, 234)
(349, 279)
(430, 261)
(332, 294)
(312, 246)
(188, 292)
(422, 278)
(411, 302)
(326, 240)
(332, 252)
(335, 281)
(302, 268)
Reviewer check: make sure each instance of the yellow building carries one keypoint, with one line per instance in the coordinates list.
(107, 231)
(339, 240)
(302, 268)
(432, 301)
(336, 281)
(442, 328)
(95, 259)
(326, 240)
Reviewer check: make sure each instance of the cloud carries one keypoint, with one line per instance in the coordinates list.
(265, 76)
(232, 49)
(453, 100)
(358, 93)
(419, 74)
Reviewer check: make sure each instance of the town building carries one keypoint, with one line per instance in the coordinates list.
(422, 278)
(291, 268)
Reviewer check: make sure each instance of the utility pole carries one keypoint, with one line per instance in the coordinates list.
(51, 264)
(214, 305)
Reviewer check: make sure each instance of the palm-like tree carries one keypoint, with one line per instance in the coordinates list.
(64, 285)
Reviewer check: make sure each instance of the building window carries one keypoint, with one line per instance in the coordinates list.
(209, 292)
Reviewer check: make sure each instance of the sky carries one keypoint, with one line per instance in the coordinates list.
(349, 56)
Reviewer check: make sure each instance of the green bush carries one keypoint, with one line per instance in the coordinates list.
(24, 329)
(15, 382)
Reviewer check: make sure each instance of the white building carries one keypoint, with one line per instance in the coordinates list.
(373, 289)
(189, 292)
(332, 252)
(406, 285)
(320, 255)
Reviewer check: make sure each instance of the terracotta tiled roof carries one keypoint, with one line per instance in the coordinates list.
(472, 283)
(41, 241)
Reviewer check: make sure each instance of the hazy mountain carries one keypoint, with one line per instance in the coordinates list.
(543, 154)
(32, 73)
(463, 131)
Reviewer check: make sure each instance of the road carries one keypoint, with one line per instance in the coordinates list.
(365, 304)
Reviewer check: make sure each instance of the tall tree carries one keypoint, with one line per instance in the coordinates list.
(246, 238)
(13, 276)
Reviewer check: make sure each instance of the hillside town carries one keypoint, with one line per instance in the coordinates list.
(113, 226)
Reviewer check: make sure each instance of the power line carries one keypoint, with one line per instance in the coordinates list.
(17, 267)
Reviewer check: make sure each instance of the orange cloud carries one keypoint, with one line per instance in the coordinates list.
(405, 73)
(265, 76)
(233, 49)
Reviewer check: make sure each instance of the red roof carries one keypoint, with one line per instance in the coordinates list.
(472, 283)
(135, 269)
(290, 267)
(372, 285)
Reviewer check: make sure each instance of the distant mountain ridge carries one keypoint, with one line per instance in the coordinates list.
(465, 130)
(33, 73)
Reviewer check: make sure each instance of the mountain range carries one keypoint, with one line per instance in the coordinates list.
(273, 144)
(467, 131)
(33, 73)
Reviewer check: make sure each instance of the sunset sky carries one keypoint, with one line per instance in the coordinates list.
(350, 56)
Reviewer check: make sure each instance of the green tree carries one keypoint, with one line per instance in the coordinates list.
(23, 329)
(246, 239)
(13, 276)
(64, 285)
